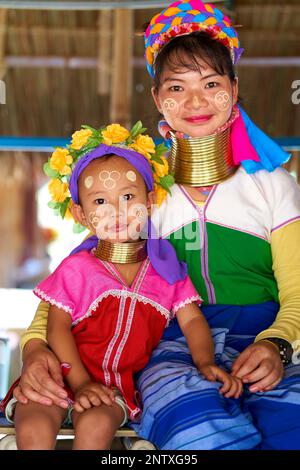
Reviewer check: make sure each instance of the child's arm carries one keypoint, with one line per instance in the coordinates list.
(197, 333)
(196, 330)
(62, 343)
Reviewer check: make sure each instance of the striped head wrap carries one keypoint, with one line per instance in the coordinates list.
(185, 17)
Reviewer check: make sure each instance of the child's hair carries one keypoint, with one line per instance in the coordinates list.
(185, 51)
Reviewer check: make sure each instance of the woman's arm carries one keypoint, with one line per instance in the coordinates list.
(260, 363)
(37, 328)
(41, 380)
(285, 245)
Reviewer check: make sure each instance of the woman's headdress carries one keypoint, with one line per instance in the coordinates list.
(251, 147)
(186, 17)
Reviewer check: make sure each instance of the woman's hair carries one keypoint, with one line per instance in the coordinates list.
(185, 51)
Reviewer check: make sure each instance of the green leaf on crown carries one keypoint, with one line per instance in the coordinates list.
(49, 171)
(160, 150)
(135, 131)
(53, 205)
(166, 182)
(63, 207)
(157, 159)
(85, 126)
(72, 151)
(78, 228)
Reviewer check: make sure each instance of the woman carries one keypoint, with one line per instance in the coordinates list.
(234, 218)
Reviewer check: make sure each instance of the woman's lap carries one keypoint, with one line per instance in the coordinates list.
(181, 410)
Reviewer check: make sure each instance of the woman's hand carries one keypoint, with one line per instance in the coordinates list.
(232, 386)
(41, 380)
(259, 364)
(92, 394)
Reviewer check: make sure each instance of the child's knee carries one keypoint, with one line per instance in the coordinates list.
(98, 422)
(35, 429)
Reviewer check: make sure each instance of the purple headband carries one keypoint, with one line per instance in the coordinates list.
(161, 253)
(136, 159)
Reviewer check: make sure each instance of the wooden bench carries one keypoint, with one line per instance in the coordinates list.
(8, 441)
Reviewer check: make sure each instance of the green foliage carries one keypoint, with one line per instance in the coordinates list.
(78, 228)
(166, 182)
(50, 172)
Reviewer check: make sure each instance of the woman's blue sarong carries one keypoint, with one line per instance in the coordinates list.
(182, 410)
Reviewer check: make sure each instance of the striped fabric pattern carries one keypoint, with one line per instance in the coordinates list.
(184, 17)
(183, 411)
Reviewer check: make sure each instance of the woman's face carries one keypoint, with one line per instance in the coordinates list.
(195, 103)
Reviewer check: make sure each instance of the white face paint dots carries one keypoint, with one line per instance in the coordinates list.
(222, 100)
(109, 178)
(170, 106)
(88, 182)
(131, 176)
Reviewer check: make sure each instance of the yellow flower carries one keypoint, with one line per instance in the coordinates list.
(144, 145)
(80, 138)
(60, 161)
(161, 169)
(59, 191)
(68, 214)
(114, 134)
(148, 156)
(161, 194)
(156, 177)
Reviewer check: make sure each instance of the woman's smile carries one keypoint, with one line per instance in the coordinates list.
(198, 119)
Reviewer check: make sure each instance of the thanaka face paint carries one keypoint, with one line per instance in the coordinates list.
(196, 101)
(131, 176)
(222, 100)
(93, 219)
(170, 106)
(88, 182)
(198, 112)
(101, 219)
(138, 216)
(109, 178)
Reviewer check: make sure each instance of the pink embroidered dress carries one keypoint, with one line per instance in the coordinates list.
(115, 326)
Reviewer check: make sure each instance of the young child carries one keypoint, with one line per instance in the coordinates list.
(112, 299)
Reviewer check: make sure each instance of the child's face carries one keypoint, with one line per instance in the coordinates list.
(113, 200)
(195, 103)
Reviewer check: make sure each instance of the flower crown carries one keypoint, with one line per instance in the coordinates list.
(63, 160)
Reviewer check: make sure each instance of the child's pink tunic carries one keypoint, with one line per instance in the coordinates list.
(116, 327)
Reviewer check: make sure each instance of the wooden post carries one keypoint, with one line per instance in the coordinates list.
(104, 51)
(121, 79)
(3, 18)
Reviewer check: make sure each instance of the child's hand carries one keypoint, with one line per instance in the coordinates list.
(232, 387)
(92, 394)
